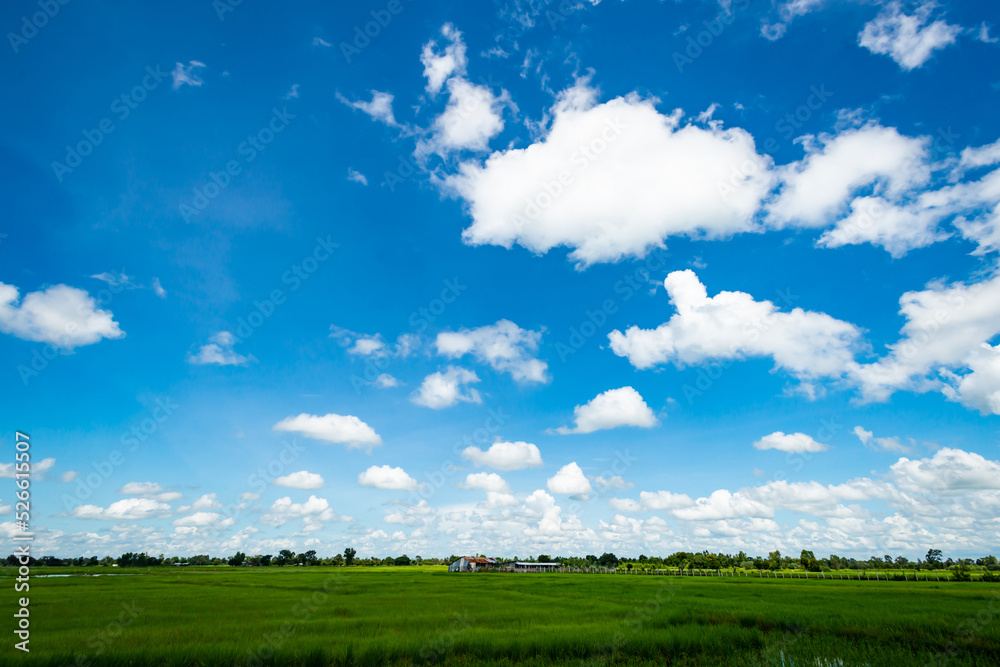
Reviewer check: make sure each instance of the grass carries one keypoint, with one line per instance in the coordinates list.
(406, 616)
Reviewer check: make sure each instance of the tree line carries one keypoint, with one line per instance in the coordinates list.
(704, 560)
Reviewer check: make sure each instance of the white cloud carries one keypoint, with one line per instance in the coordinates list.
(498, 493)
(471, 118)
(187, 74)
(722, 504)
(948, 471)
(613, 180)
(379, 108)
(868, 439)
(39, 468)
(314, 512)
(386, 381)
(983, 34)
(732, 325)
(300, 480)
(368, 345)
(319, 41)
(249, 495)
(570, 481)
(611, 409)
(64, 316)
(158, 289)
(385, 477)
(613, 483)
(907, 38)
(356, 176)
(897, 228)
(505, 456)
(504, 346)
(207, 501)
(200, 519)
(69, 476)
(441, 390)
(792, 442)
(945, 327)
(128, 509)
(340, 429)
(219, 352)
(980, 387)
(439, 66)
(150, 490)
(293, 92)
(815, 189)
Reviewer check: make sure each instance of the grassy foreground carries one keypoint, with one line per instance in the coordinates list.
(423, 616)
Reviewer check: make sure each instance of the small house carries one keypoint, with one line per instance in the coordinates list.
(521, 566)
(472, 563)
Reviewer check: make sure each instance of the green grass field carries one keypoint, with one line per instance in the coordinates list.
(423, 616)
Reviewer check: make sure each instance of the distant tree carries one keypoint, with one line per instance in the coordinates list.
(338, 560)
(401, 560)
(307, 557)
(806, 558)
(349, 555)
(238, 559)
(265, 560)
(902, 561)
(285, 556)
(608, 560)
(933, 557)
(774, 559)
(888, 559)
(544, 558)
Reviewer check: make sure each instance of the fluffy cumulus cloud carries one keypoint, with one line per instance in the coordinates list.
(219, 351)
(440, 64)
(498, 492)
(948, 471)
(314, 513)
(150, 490)
(386, 477)
(444, 389)
(63, 316)
(613, 180)
(300, 480)
(505, 346)
(909, 39)
(471, 118)
(505, 456)
(340, 429)
(732, 325)
(946, 326)
(611, 409)
(816, 189)
(128, 509)
(979, 388)
(570, 481)
(790, 442)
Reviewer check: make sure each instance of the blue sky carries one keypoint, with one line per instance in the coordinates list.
(512, 278)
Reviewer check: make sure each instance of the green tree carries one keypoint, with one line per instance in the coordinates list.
(933, 557)
(774, 558)
(285, 556)
(238, 559)
(402, 560)
(544, 558)
(349, 555)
